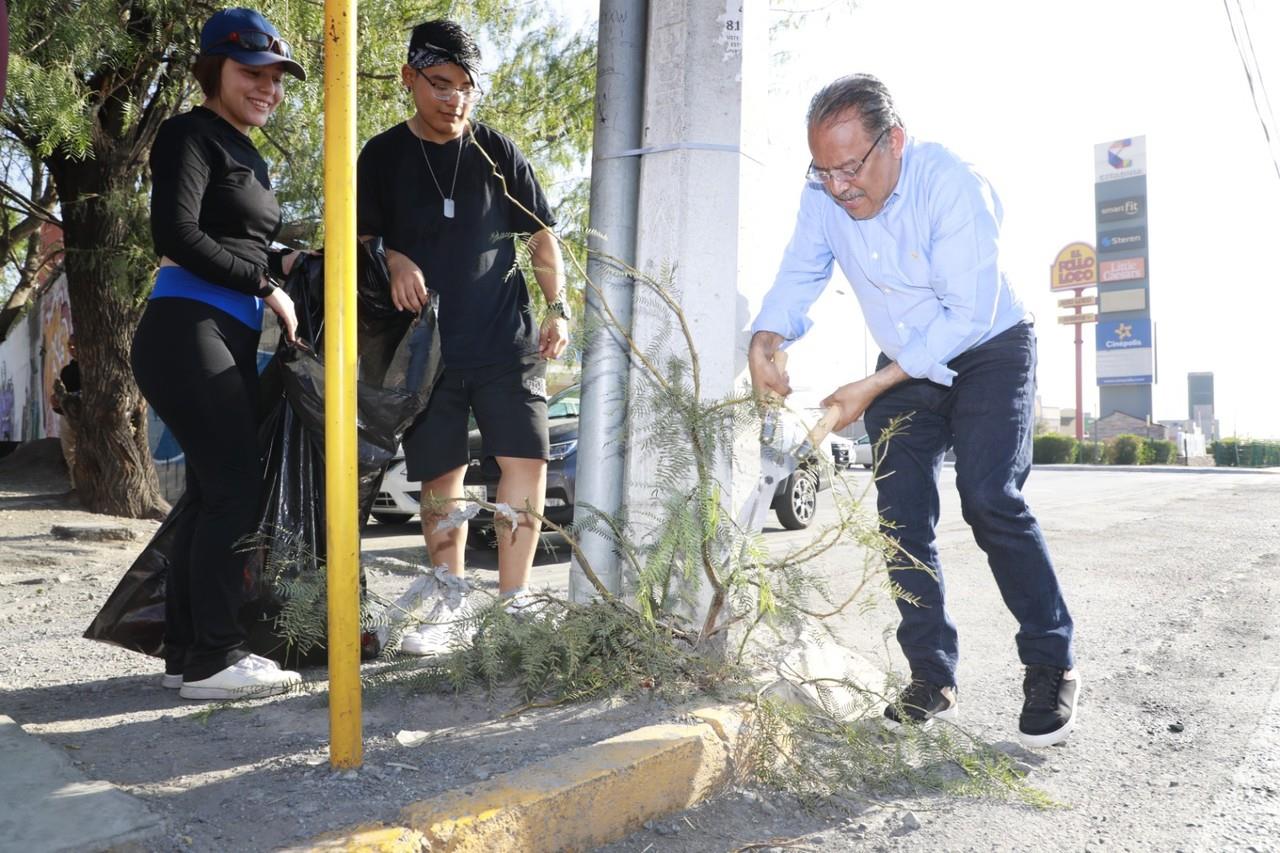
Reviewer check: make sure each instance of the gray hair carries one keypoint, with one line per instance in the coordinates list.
(862, 94)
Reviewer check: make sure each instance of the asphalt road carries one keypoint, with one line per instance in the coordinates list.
(1173, 578)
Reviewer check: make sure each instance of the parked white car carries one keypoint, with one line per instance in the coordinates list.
(796, 501)
(398, 497)
(862, 454)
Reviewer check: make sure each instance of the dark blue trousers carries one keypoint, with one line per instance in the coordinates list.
(987, 417)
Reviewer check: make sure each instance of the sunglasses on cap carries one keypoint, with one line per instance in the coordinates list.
(258, 42)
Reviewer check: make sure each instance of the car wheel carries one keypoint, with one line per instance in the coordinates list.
(800, 503)
(391, 517)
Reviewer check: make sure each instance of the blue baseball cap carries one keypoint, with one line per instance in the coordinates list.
(248, 38)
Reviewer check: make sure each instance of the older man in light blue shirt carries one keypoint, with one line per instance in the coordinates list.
(917, 233)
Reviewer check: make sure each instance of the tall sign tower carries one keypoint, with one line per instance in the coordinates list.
(1126, 348)
(1076, 268)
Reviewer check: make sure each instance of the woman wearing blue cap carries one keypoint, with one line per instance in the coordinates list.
(213, 219)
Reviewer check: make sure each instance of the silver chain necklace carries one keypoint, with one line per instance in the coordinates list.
(448, 200)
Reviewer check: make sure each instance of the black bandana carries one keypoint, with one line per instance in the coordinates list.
(427, 55)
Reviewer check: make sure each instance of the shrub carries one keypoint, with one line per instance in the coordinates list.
(1160, 452)
(1225, 452)
(1247, 453)
(1125, 450)
(1053, 449)
(1091, 453)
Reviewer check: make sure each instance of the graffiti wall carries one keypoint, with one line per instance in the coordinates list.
(19, 410)
(33, 353)
(55, 351)
(10, 415)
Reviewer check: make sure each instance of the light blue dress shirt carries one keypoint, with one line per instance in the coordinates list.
(926, 268)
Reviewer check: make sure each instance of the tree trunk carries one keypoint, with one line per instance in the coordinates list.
(114, 472)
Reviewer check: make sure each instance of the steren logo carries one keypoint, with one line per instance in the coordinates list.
(1115, 241)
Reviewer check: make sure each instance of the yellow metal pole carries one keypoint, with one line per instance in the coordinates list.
(345, 744)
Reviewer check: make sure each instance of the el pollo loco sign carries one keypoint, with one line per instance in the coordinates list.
(1076, 266)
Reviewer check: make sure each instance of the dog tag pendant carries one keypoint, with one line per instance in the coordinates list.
(448, 208)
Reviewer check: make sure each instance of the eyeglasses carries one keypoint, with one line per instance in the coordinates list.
(259, 42)
(444, 92)
(845, 175)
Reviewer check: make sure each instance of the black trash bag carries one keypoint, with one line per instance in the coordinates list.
(133, 615)
(399, 363)
(292, 531)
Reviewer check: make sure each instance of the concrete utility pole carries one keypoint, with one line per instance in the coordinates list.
(615, 183)
(702, 203)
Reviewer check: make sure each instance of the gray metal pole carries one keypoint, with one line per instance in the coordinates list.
(615, 180)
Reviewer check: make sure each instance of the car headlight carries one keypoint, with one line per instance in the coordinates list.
(563, 449)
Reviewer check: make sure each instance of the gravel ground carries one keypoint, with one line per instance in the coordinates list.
(1173, 578)
(253, 776)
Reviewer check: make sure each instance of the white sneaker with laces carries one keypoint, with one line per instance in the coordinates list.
(436, 635)
(251, 677)
(525, 605)
(422, 595)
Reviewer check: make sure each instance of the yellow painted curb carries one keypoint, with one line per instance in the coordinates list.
(370, 838)
(584, 798)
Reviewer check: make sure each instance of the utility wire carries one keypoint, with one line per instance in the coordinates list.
(1262, 83)
(1266, 132)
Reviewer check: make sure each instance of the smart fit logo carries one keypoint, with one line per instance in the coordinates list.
(1121, 208)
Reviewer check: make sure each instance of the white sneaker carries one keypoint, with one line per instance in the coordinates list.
(422, 596)
(171, 680)
(525, 605)
(251, 677)
(437, 634)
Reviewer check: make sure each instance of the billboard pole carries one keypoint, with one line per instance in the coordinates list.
(1075, 269)
(1079, 370)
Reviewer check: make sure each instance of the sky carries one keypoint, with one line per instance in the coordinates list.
(1024, 91)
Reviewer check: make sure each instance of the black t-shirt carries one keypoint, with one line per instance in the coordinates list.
(470, 260)
(212, 208)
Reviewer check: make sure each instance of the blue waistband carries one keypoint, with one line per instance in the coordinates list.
(176, 282)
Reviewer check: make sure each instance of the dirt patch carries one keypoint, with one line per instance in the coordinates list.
(251, 776)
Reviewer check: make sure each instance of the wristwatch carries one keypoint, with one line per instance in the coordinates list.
(558, 308)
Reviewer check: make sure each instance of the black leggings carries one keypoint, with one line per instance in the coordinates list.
(197, 367)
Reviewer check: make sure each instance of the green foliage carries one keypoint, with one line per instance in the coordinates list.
(1159, 451)
(1246, 453)
(1053, 449)
(1091, 452)
(1125, 450)
(571, 652)
(828, 751)
(83, 72)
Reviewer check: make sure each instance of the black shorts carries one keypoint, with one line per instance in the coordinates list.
(510, 404)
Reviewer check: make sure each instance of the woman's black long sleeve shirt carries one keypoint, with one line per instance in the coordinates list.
(212, 208)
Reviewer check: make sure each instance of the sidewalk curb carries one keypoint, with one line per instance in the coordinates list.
(49, 804)
(587, 797)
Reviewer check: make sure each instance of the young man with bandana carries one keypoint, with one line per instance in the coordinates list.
(446, 193)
